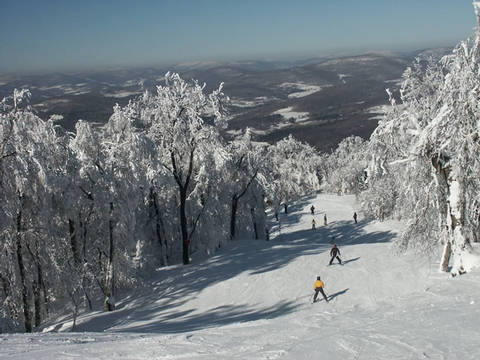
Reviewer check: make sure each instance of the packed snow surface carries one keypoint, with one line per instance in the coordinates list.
(253, 301)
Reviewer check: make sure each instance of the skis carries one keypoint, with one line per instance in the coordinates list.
(318, 300)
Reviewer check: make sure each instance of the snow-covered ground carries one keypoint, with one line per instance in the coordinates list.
(378, 111)
(301, 89)
(122, 93)
(253, 301)
(289, 114)
(68, 89)
(342, 77)
(259, 100)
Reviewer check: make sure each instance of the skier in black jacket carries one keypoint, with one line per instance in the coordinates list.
(334, 253)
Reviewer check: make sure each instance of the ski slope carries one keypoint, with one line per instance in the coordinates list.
(253, 301)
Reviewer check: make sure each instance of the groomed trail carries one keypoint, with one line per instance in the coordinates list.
(253, 301)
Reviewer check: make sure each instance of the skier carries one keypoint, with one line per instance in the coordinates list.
(312, 209)
(325, 220)
(313, 224)
(334, 253)
(355, 217)
(318, 287)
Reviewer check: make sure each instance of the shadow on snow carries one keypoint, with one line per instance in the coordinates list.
(333, 296)
(156, 309)
(350, 260)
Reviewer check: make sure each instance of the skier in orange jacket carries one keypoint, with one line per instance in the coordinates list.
(318, 287)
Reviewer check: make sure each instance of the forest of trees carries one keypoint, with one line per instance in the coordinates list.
(422, 165)
(84, 214)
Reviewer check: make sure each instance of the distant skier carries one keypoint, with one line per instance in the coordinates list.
(318, 287)
(334, 253)
(312, 209)
(313, 224)
(355, 217)
(325, 220)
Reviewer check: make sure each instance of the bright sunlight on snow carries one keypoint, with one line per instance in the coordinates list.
(254, 301)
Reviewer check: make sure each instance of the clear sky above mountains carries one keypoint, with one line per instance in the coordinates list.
(55, 34)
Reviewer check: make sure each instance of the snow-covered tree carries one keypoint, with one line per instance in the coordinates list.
(183, 122)
(292, 171)
(246, 159)
(30, 154)
(428, 147)
(343, 171)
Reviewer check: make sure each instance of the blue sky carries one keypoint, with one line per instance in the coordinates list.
(37, 35)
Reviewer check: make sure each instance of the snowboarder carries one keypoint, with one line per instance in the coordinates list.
(325, 220)
(318, 287)
(312, 209)
(313, 224)
(355, 217)
(334, 253)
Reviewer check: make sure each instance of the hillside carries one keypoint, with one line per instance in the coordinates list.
(320, 100)
(253, 301)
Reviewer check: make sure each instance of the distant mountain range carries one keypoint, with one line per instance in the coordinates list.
(319, 100)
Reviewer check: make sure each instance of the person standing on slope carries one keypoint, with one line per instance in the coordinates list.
(355, 217)
(325, 219)
(313, 224)
(312, 209)
(334, 253)
(318, 288)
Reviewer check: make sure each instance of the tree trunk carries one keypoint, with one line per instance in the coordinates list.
(109, 304)
(85, 291)
(183, 225)
(447, 251)
(25, 296)
(158, 228)
(254, 221)
(441, 181)
(37, 291)
(6, 286)
(73, 241)
(458, 241)
(455, 222)
(83, 229)
(233, 216)
(37, 303)
(235, 199)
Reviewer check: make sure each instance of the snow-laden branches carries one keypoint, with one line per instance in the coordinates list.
(426, 152)
(157, 184)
